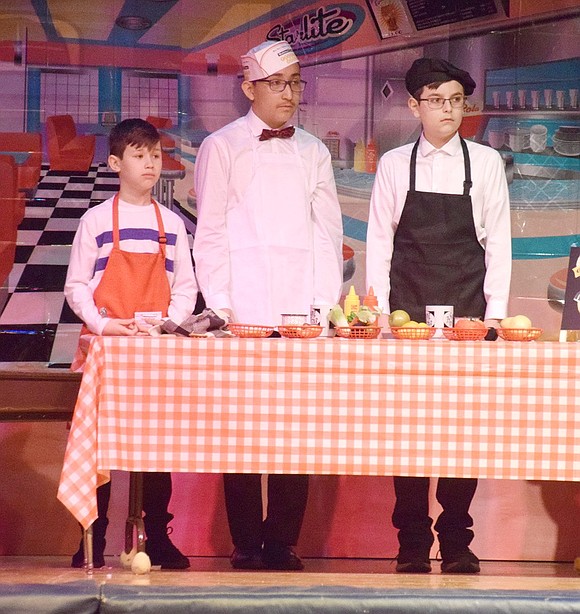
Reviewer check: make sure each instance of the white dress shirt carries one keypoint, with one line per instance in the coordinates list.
(267, 211)
(442, 171)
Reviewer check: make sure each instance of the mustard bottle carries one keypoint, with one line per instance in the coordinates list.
(351, 302)
(359, 157)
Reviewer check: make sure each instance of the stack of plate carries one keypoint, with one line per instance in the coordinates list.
(566, 140)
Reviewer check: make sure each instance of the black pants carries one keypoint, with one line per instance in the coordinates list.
(156, 496)
(287, 496)
(411, 514)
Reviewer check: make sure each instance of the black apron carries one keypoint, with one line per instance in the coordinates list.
(437, 259)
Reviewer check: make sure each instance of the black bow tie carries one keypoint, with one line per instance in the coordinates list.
(285, 133)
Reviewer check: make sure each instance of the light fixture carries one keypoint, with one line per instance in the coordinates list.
(133, 22)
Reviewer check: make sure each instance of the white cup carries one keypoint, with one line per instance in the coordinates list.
(495, 99)
(518, 138)
(496, 138)
(294, 319)
(439, 316)
(560, 98)
(538, 138)
(522, 99)
(548, 99)
(535, 99)
(319, 317)
(573, 98)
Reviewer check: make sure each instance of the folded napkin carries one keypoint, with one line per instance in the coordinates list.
(208, 323)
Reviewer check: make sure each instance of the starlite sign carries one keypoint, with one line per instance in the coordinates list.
(319, 28)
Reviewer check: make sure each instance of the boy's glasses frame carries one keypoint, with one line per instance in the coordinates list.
(279, 85)
(438, 102)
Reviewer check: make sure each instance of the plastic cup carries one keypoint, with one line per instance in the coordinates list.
(440, 317)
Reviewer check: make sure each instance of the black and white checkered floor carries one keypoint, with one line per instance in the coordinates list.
(36, 324)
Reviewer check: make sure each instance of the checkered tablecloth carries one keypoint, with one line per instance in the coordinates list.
(323, 406)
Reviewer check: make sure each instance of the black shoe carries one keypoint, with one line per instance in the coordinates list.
(246, 559)
(165, 554)
(277, 556)
(460, 561)
(78, 558)
(413, 561)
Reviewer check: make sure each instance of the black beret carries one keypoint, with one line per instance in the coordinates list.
(432, 70)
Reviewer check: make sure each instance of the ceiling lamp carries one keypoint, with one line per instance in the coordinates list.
(133, 22)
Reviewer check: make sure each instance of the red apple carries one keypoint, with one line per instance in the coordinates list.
(469, 323)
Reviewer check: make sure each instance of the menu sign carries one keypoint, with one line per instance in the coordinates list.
(432, 13)
(571, 313)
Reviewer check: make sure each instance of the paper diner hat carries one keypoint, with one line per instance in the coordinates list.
(266, 59)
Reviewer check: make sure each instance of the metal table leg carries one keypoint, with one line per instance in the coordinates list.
(134, 556)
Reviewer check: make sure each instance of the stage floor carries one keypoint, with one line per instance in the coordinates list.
(328, 586)
(361, 573)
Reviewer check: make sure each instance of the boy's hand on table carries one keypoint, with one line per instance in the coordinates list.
(123, 327)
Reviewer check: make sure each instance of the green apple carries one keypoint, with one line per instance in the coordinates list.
(399, 317)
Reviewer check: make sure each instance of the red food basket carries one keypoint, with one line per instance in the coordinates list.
(413, 332)
(358, 332)
(250, 330)
(519, 334)
(300, 332)
(465, 334)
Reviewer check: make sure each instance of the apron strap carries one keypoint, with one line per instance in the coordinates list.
(467, 183)
(162, 237)
(413, 167)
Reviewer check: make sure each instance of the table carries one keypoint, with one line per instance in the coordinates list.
(171, 170)
(503, 410)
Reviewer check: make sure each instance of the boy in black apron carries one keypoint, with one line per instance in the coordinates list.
(439, 234)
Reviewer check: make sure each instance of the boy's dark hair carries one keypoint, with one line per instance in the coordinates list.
(429, 86)
(134, 131)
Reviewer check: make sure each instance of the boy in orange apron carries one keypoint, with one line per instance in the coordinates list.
(130, 267)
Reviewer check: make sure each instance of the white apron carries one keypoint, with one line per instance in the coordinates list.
(270, 236)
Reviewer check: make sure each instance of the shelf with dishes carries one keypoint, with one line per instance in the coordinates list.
(545, 136)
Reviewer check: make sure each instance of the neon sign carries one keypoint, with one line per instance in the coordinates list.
(319, 28)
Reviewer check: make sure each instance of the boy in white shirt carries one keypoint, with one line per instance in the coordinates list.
(439, 234)
(131, 266)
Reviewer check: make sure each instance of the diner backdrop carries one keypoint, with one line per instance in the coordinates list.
(180, 59)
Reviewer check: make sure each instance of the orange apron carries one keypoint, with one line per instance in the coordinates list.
(131, 282)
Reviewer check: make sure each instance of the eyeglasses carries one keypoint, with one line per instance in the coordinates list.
(437, 102)
(279, 85)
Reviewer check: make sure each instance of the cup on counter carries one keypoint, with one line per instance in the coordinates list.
(535, 99)
(294, 319)
(518, 138)
(319, 317)
(573, 93)
(440, 317)
(522, 99)
(509, 100)
(548, 99)
(496, 138)
(538, 138)
(560, 99)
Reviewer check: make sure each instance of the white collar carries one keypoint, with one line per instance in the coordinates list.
(451, 148)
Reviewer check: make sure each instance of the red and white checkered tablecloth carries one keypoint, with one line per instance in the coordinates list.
(323, 406)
